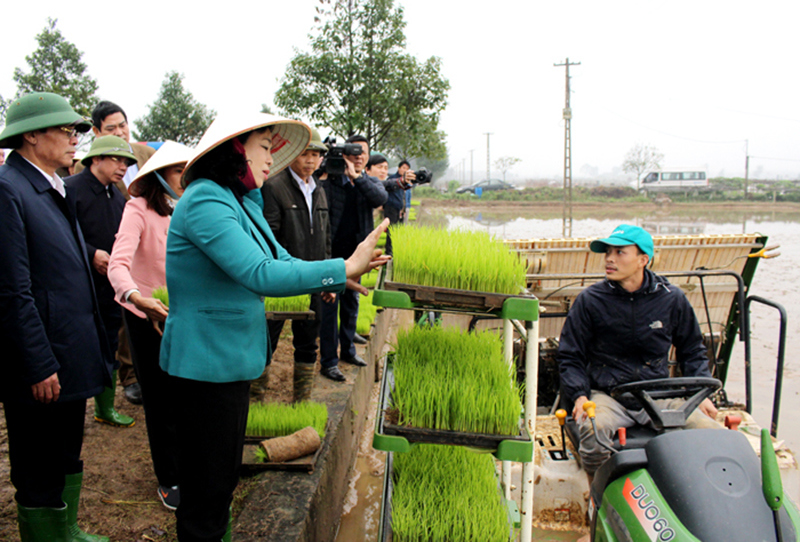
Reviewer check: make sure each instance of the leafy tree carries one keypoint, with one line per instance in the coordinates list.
(357, 78)
(505, 163)
(641, 158)
(56, 66)
(175, 115)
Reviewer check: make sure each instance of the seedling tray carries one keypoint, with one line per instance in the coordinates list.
(250, 465)
(301, 315)
(385, 533)
(413, 296)
(396, 438)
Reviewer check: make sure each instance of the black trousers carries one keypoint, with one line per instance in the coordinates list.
(145, 345)
(338, 336)
(304, 334)
(44, 445)
(210, 421)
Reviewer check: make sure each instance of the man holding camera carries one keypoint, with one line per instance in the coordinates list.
(396, 186)
(352, 197)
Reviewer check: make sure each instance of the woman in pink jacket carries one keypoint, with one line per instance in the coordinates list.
(136, 268)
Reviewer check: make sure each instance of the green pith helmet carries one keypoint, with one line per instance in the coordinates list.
(38, 111)
(109, 146)
(316, 142)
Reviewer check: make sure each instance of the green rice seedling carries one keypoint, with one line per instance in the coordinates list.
(260, 455)
(454, 380)
(298, 303)
(366, 314)
(415, 203)
(280, 419)
(445, 493)
(161, 294)
(370, 279)
(459, 259)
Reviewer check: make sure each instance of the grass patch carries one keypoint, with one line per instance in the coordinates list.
(454, 380)
(444, 493)
(280, 419)
(464, 260)
(298, 303)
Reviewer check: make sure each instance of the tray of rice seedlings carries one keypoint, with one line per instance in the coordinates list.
(272, 420)
(454, 270)
(448, 386)
(444, 493)
(289, 308)
(370, 279)
(367, 312)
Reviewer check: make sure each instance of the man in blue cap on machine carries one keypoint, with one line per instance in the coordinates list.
(621, 330)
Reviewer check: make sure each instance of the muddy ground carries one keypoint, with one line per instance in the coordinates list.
(119, 497)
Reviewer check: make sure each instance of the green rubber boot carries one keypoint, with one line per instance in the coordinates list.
(227, 536)
(42, 524)
(303, 381)
(104, 411)
(72, 496)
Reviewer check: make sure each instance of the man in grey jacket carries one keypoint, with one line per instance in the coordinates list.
(297, 211)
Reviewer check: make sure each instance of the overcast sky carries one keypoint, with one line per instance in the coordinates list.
(694, 79)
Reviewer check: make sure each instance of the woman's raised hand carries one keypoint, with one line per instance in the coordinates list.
(366, 257)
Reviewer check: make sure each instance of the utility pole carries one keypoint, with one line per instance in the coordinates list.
(746, 166)
(567, 115)
(471, 166)
(488, 169)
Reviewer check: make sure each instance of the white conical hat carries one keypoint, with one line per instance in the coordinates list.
(168, 154)
(289, 137)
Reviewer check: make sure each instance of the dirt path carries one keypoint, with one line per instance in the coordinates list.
(119, 496)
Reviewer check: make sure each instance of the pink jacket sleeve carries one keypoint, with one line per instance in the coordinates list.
(125, 246)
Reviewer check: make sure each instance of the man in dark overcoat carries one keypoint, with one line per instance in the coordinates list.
(99, 205)
(56, 354)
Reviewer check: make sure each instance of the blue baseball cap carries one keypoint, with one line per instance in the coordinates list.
(624, 235)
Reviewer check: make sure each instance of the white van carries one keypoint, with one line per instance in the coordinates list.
(675, 178)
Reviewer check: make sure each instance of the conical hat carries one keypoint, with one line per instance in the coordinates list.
(289, 137)
(169, 154)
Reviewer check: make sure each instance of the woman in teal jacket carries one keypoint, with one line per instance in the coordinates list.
(222, 259)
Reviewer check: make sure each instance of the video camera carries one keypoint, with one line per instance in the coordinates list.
(333, 163)
(423, 176)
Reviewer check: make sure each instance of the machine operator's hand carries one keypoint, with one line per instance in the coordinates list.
(708, 408)
(577, 413)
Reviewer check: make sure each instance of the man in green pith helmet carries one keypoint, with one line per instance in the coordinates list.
(296, 207)
(99, 205)
(56, 353)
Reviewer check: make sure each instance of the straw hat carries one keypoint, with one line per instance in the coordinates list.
(169, 154)
(289, 137)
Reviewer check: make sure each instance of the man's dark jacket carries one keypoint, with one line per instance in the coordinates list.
(286, 212)
(370, 194)
(612, 336)
(49, 319)
(99, 213)
(396, 192)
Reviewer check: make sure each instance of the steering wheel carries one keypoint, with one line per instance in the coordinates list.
(694, 388)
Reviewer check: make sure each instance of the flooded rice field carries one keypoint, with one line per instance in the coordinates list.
(776, 279)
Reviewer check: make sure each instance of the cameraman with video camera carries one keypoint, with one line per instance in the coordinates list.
(352, 196)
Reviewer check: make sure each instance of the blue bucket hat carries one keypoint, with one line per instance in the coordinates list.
(624, 235)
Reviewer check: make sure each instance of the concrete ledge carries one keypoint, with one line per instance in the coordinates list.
(288, 506)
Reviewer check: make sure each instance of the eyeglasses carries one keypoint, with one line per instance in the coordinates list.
(127, 161)
(73, 130)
